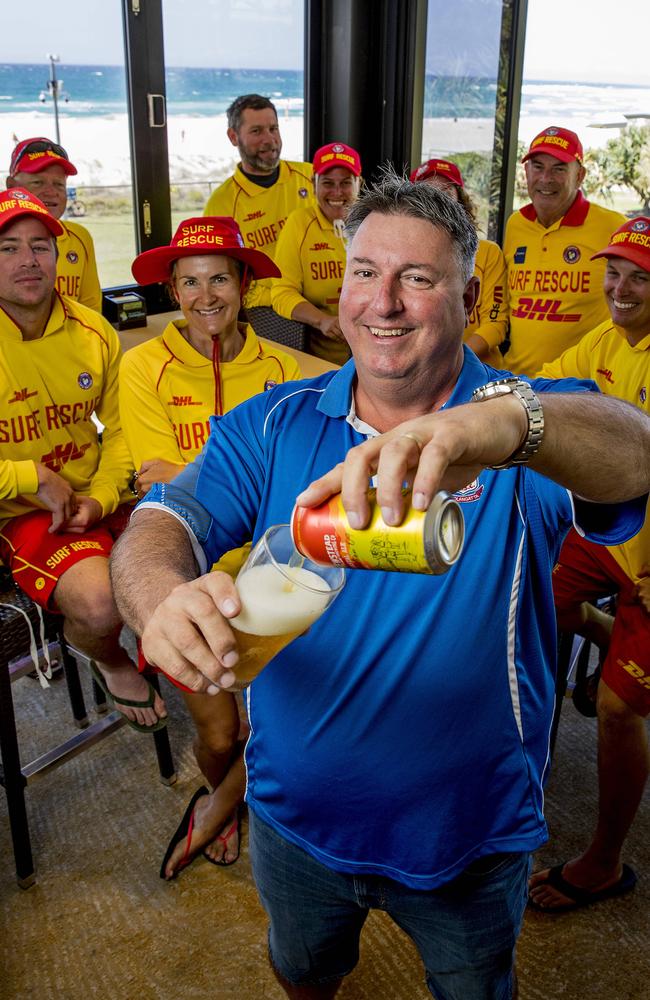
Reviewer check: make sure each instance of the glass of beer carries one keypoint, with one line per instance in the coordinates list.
(282, 593)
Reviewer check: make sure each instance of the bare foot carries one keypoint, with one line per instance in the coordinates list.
(224, 849)
(208, 825)
(548, 897)
(125, 682)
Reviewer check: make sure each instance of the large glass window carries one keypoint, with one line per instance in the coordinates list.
(215, 51)
(583, 71)
(462, 59)
(57, 76)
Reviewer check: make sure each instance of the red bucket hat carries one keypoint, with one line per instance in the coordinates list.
(438, 168)
(17, 203)
(631, 241)
(33, 155)
(558, 142)
(196, 237)
(337, 154)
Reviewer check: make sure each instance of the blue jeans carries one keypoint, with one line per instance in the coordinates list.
(465, 930)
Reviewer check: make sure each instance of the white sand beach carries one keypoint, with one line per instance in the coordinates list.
(199, 148)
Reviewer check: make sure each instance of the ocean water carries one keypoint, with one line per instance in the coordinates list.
(100, 91)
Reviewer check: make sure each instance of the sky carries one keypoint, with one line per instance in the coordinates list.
(578, 40)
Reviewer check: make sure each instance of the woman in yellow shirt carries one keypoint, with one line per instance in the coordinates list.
(201, 365)
(488, 323)
(311, 253)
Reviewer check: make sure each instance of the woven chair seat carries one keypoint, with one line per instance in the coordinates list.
(266, 323)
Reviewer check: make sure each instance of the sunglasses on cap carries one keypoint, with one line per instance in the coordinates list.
(38, 146)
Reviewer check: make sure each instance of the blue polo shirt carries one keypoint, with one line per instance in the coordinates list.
(406, 734)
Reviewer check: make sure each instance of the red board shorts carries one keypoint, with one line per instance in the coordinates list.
(38, 559)
(586, 571)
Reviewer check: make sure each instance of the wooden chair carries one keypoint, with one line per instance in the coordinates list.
(23, 628)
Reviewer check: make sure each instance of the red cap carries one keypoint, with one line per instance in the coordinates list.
(217, 235)
(558, 142)
(337, 154)
(438, 168)
(631, 241)
(17, 203)
(33, 155)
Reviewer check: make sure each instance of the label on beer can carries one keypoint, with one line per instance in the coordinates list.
(425, 542)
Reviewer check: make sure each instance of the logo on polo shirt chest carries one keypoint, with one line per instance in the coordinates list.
(571, 255)
(473, 491)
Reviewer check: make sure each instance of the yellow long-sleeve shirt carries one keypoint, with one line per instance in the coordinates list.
(555, 290)
(76, 268)
(167, 391)
(489, 317)
(621, 370)
(49, 389)
(312, 260)
(262, 212)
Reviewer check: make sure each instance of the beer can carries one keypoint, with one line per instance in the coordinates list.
(425, 542)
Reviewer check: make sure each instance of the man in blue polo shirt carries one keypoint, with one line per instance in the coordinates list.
(398, 748)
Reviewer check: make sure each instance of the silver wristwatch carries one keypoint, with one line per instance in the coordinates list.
(530, 401)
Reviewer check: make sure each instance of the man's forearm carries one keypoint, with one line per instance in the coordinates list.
(153, 556)
(596, 446)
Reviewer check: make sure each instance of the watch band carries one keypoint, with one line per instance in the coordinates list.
(534, 411)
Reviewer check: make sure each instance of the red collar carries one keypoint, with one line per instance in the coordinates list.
(574, 217)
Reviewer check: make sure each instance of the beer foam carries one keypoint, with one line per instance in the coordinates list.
(270, 608)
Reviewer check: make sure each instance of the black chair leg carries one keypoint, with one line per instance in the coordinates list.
(75, 693)
(163, 748)
(14, 784)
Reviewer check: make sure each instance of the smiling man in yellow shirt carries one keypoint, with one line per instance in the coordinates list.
(43, 167)
(555, 286)
(62, 493)
(263, 189)
(616, 355)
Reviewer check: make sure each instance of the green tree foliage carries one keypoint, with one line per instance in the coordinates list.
(624, 162)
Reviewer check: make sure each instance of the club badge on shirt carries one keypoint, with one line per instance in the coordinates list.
(571, 255)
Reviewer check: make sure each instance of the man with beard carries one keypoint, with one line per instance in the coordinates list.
(263, 189)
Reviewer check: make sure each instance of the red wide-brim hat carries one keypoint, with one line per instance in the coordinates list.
(196, 237)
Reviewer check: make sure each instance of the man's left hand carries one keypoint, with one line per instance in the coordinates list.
(155, 470)
(88, 512)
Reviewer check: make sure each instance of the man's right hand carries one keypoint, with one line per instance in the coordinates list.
(330, 328)
(188, 636)
(55, 494)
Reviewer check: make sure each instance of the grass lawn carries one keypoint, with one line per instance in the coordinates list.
(114, 238)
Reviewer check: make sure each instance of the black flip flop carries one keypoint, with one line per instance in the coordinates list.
(182, 830)
(582, 897)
